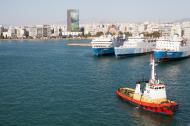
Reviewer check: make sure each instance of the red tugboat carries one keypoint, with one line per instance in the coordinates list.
(153, 98)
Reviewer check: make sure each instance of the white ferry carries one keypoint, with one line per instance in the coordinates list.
(103, 45)
(171, 48)
(135, 46)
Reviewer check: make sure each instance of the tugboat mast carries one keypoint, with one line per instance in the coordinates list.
(153, 74)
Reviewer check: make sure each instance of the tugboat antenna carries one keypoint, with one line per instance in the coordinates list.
(153, 74)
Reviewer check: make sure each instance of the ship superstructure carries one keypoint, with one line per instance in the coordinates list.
(135, 46)
(171, 48)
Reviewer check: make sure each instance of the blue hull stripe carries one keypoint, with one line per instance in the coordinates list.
(169, 54)
(130, 51)
(103, 51)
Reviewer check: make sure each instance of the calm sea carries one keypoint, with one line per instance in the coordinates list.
(47, 83)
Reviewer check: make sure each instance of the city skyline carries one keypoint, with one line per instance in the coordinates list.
(21, 12)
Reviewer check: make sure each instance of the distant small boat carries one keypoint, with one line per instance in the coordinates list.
(153, 98)
(171, 49)
(103, 45)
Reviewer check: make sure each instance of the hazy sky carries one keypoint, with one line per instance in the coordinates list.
(54, 11)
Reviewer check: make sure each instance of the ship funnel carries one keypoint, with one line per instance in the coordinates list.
(138, 88)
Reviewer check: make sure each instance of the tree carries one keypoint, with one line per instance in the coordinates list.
(155, 34)
(70, 36)
(120, 33)
(98, 34)
(87, 35)
(128, 34)
(1, 36)
(113, 33)
(146, 34)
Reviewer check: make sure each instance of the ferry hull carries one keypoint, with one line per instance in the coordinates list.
(131, 51)
(103, 51)
(161, 55)
(166, 109)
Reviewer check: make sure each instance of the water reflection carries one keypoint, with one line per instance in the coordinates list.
(172, 69)
(103, 63)
(147, 118)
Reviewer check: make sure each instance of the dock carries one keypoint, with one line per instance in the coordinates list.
(79, 44)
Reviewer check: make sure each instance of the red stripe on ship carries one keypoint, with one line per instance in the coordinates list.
(158, 108)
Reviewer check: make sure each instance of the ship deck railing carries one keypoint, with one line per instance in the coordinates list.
(127, 91)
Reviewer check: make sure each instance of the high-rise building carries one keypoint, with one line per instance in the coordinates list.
(46, 31)
(39, 31)
(32, 31)
(12, 31)
(20, 33)
(73, 20)
(56, 31)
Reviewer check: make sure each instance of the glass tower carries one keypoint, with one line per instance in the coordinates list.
(73, 20)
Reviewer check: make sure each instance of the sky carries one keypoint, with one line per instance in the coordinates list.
(19, 12)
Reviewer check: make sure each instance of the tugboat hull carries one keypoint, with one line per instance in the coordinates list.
(103, 51)
(167, 108)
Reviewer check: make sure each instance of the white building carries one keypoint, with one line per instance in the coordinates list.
(32, 31)
(141, 28)
(166, 29)
(132, 28)
(7, 34)
(12, 30)
(56, 30)
(176, 29)
(20, 33)
(186, 30)
(102, 28)
(63, 28)
(39, 31)
(122, 27)
(90, 28)
(46, 31)
(11, 33)
(151, 27)
(72, 34)
(1, 29)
